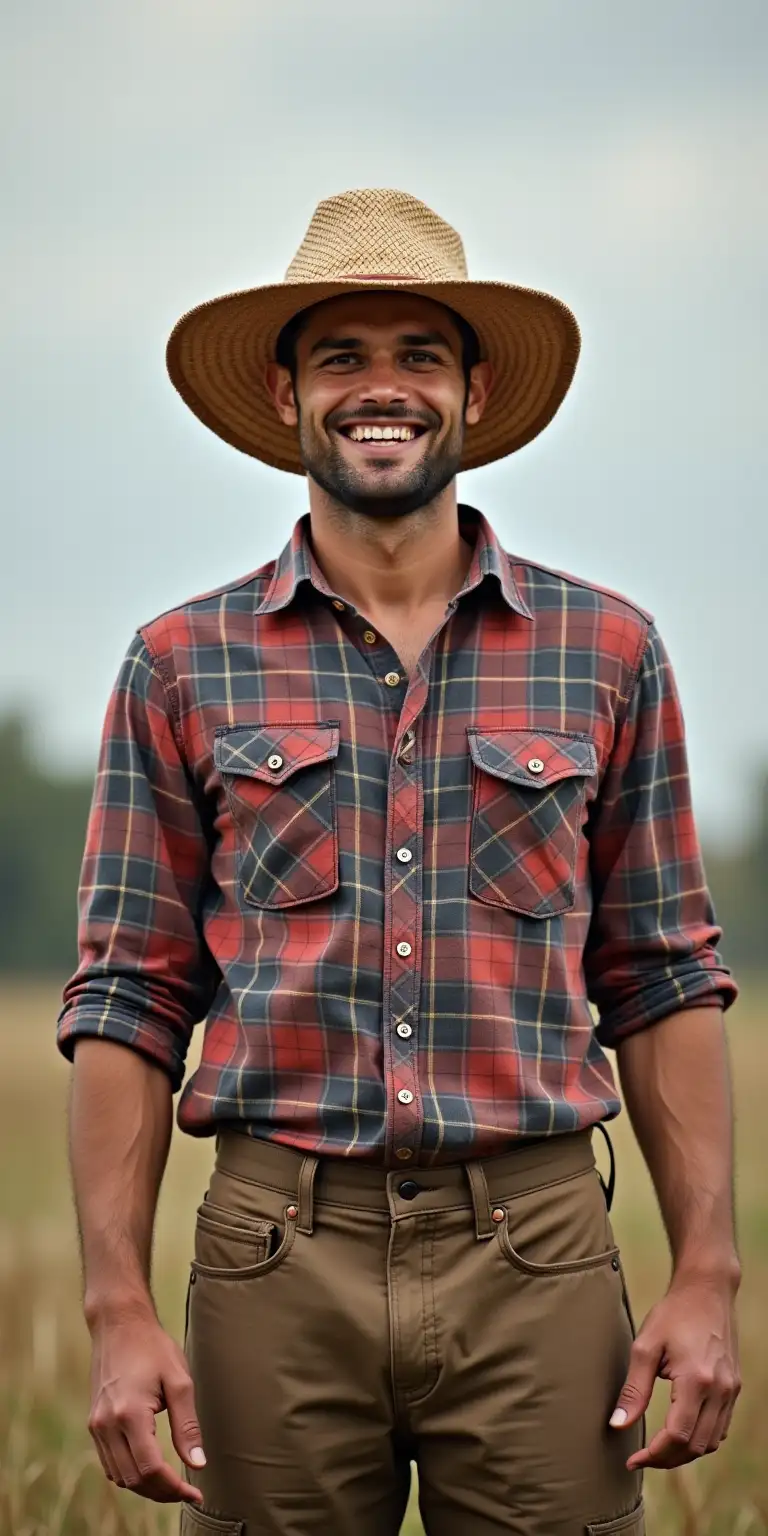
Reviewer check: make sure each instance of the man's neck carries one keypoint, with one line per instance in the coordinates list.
(402, 564)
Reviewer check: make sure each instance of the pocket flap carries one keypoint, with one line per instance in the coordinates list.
(246, 750)
(195, 1523)
(508, 754)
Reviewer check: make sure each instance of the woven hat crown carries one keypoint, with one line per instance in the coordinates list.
(375, 232)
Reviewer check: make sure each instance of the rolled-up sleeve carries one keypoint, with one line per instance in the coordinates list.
(651, 948)
(145, 976)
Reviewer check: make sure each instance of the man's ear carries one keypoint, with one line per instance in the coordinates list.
(280, 385)
(480, 386)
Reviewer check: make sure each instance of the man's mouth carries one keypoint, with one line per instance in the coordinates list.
(381, 434)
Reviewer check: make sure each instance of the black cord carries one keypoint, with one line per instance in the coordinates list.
(608, 1188)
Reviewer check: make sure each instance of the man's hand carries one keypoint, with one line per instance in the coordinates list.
(688, 1338)
(137, 1371)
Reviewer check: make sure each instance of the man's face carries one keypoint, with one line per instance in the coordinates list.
(380, 400)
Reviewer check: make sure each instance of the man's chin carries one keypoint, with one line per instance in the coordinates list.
(382, 491)
(378, 498)
(378, 501)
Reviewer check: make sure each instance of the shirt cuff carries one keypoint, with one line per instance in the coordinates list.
(653, 1000)
(139, 1033)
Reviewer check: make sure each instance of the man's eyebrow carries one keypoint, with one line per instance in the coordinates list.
(425, 339)
(335, 344)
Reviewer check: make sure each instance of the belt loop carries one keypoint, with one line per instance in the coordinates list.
(306, 1185)
(481, 1200)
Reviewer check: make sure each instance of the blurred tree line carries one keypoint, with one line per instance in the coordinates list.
(42, 829)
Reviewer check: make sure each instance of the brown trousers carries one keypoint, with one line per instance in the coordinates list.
(344, 1321)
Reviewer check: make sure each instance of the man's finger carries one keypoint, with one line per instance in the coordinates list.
(182, 1415)
(636, 1392)
(703, 1434)
(727, 1416)
(664, 1452)
(719, 1430)
(120, 1455)
(672, 1446)
(104, 1457)
(155, 1479)
(107, 1434)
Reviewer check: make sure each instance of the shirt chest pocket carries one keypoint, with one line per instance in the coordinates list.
(529, 796)
(279, 784)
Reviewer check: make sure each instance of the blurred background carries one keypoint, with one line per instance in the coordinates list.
(157, 154)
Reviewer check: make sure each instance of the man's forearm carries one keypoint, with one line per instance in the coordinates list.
(676, 1082)
(120, 1131)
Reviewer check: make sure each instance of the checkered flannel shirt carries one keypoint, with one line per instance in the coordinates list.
(393, 899)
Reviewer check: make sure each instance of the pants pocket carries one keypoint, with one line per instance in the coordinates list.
(632, 1524)
(243, 1247)
(194, 1522)
(559, 1228)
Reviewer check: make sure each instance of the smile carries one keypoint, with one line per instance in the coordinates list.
(360, 432)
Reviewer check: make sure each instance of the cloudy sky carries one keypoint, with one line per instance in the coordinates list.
(158, 153)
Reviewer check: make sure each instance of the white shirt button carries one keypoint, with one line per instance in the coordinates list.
(403, 948)
(404, 855)
(392, 679)
(404, 1030)
(275, 761)
(535, 765)
(405, 1096)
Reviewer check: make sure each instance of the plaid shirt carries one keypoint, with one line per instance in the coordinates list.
(393, 899)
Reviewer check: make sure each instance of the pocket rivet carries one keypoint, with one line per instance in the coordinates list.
(535, 765)
(292, 1211)
(497, 1215)
(275, 761)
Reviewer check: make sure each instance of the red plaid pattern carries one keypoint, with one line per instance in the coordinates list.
(393, 901)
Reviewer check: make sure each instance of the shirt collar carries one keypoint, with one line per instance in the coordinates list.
(296, 564)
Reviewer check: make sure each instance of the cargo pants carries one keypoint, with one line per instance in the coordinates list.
(344, 1321)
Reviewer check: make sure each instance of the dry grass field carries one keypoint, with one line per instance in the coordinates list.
(50, 1481)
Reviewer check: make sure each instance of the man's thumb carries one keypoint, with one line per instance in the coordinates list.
(636, 1392)
(185, 1430)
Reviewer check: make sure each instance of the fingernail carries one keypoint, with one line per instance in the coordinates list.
(618, 1417)
(197, 1456)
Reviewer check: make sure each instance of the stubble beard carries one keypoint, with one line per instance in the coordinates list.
(358, 493)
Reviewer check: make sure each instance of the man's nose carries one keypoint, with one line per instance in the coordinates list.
(382, 386)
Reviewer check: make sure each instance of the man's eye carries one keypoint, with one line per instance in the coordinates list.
(423, 357)
(341, 357)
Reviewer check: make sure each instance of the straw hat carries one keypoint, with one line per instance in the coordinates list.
(373, 239)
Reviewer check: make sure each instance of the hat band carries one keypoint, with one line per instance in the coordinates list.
(378, 277)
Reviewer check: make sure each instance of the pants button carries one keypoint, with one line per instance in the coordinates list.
(409, 1189)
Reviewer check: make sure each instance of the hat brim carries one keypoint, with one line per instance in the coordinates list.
(218, 353)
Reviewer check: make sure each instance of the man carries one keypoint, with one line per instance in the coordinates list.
(389, 814)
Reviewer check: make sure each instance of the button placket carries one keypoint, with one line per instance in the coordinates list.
(402, 979)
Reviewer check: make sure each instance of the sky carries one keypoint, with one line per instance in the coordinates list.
(158, 154)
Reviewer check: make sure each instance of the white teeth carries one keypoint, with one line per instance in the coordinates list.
(381, 434)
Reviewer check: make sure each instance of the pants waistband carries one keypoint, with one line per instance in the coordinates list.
(478, 1182)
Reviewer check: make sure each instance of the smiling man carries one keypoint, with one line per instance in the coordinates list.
(406, 819)
(408, 440)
